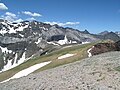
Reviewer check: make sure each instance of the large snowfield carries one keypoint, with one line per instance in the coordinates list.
(27, 71)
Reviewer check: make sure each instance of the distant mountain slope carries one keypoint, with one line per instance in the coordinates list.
(88, 74)
(112, 36)
(103, 33)
(118, 33)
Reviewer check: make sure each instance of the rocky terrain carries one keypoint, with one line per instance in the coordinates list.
(94, 73)
(105, 47)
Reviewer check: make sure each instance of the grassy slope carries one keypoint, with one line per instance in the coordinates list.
(79, 50)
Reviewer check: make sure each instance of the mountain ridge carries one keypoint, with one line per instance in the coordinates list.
(26, 39)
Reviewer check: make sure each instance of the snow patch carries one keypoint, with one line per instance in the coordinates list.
(73, 42)
(21, 35)
(38, 41)
(62, 42)
(22, 59)
(21, 28)
(3, 31)
(43, 28)
(53, 43)
(27, 71)
(85, 42)
(88, 51)
(66, 56)
(9, 64)
(12, 28)
(5, 50)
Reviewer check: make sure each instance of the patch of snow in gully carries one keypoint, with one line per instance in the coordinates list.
(9, 65)
(88, 51)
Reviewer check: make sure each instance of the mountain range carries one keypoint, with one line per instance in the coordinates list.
(21, 41)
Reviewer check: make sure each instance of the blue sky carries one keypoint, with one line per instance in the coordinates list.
(93, 15)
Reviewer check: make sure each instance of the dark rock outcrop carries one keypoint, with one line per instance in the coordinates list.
(102, 48)
(105, 47)
(117, 44)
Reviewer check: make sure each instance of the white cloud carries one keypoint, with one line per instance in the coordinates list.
(11, 17)
(18, 20)
(3, 7)
(62, 24)
(10, 14)
(31, 14)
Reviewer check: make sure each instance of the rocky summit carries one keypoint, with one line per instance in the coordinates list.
(99, 72)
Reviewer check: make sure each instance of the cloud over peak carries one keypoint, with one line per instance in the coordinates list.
(31, 14)
(11, 17)
(10, 14)
(63, 24)
(3, 6)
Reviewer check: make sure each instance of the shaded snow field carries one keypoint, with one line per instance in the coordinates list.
(66, 56)
(27, 71)
(63, 42)
(9, 64)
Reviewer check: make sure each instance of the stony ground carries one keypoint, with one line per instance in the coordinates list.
(94, 73)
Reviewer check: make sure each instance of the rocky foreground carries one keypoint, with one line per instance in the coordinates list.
(94, 73)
